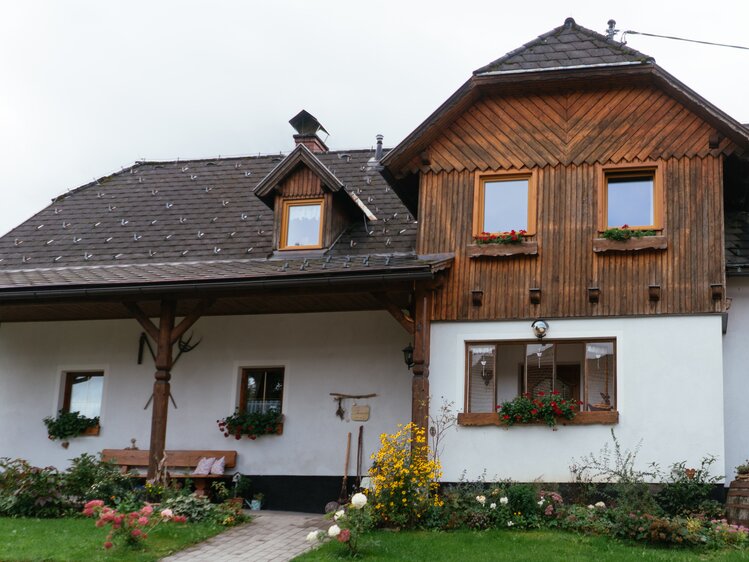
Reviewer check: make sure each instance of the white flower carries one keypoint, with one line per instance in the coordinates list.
(503, 500)
(334, 531)
(338, 514)
(510, 523)
(313, 536)
(167, 513)
(541, 503)
(600, 505)
(591, 506)
(492, 506)
(358, 500)
(481, 499)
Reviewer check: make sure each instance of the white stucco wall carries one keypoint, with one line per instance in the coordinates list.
(736, 366)
(352, 353)
(670, 396)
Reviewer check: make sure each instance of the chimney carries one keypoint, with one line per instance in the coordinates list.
(307, 128)
(378, 151)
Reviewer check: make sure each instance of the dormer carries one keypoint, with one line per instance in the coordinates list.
(311, 206)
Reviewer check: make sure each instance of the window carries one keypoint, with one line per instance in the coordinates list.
(578, 370)
(261, 390)
(301, 224)
(505, 202)
(83, 392)
(631, 196)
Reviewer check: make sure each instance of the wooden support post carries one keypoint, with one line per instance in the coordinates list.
(161, 386)
(420, 382)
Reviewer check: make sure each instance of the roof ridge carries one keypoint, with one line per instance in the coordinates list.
(617, 49)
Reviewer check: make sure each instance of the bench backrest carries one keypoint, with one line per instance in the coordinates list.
(174, 459)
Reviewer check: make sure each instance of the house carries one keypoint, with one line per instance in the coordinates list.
(302, 276)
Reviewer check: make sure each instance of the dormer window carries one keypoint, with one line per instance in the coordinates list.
(301, 226)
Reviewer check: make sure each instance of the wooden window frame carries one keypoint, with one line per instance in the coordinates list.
(631, 169)
(479, 198)
(286, 205)
(581, 418)
(243, 374)
(68, 387)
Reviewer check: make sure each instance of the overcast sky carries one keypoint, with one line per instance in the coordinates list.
(89, 86)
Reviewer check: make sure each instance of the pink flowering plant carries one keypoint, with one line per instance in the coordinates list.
(510, 237)
(130, 529)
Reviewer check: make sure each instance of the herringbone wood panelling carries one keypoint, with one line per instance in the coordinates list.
(566, 265)
(581, 127)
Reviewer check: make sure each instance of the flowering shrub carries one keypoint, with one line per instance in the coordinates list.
(251, 424)
(30, 491)
(624, 232)
(350, 522)
(132, 528)
(89, 478)
(688, 490)
(545, 408)
(404, 479)
(511, 237)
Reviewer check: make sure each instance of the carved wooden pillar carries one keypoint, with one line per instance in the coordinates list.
(161, 386)
(420, 382)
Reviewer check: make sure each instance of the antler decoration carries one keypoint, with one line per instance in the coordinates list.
(185, 347)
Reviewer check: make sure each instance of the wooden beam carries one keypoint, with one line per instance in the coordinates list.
(190, 319)
(420, 383)
(143, 320)
(401, 317)
(161, 386)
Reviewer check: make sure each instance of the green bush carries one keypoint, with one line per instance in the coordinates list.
(688, 490)
(523, 499)
(195, 508)
(29, 491)
(68, 424)
(90, 478)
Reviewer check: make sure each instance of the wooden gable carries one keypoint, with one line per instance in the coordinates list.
(566, 138)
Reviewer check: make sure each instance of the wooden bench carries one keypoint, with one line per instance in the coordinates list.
(129, 459)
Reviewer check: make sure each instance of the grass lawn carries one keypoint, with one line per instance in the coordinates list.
(541, 546)
(77, 540)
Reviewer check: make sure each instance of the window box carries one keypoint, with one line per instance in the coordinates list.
(581, 418)
(92, 431)
(603, 245)
(527, 248)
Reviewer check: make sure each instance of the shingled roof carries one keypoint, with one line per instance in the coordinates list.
(199, 220)
(570, 45)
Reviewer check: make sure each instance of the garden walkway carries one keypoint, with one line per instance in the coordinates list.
(273, 536)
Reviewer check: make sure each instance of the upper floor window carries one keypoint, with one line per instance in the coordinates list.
(505, 202)
(577, 370)
(83, 392)
(261, 390)
(301, 224)
(632, 197)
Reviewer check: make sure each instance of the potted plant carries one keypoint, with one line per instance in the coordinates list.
(511, 237)
(624, 233)
(544, 408)
(257, 501)
(242, 488)
(70, 424)
(742, 471)
(252, 424)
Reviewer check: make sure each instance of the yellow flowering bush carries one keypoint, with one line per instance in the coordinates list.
(404, 479)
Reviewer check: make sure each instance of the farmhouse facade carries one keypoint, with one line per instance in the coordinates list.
(293, 282)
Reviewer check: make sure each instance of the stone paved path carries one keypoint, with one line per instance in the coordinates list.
(273, 536)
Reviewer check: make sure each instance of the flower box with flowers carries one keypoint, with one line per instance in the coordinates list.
(628, 239)
(543, 408)
(251, 424)
(510, 243)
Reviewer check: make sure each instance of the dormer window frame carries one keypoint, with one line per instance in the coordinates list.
(286, 205)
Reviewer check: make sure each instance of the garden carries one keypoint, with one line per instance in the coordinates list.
(92, 511)
(611, 512)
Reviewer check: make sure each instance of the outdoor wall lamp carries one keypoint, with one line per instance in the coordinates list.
(540, 328)
(408, 355)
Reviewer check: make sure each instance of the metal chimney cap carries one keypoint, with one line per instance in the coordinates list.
(306, 124)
